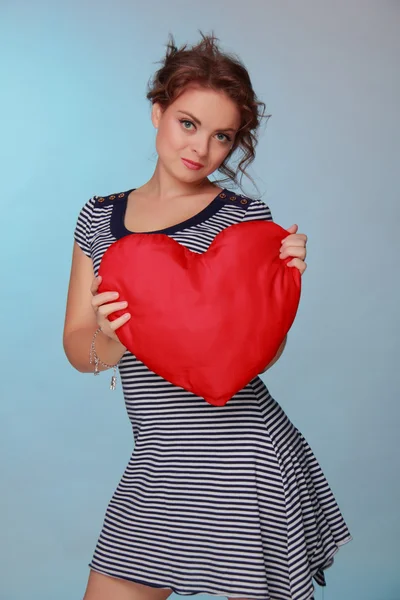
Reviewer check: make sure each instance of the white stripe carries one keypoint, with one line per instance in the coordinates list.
(225, 500)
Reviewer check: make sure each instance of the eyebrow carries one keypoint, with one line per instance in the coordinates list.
(199, 122)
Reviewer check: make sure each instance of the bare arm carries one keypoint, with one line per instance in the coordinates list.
(277, 356)
(80, 319)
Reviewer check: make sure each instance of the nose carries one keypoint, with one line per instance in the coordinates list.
(200, 146)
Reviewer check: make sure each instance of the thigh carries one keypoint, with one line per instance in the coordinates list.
(105, 587)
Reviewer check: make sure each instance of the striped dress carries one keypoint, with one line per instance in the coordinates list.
(227, 500)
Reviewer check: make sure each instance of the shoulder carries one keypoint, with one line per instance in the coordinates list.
(111, 199)
(251, 208)
(234, 199)
(93, 211)
(258, 211)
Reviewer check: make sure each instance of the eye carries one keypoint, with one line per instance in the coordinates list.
(186, 121)
(227, 138)
(183, 121)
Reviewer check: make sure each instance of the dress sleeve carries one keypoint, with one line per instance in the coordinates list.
(257, 211)
(82, 233)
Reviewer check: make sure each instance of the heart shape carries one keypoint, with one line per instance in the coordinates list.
(207, 322)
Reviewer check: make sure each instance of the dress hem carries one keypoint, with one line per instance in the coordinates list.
(180, 592)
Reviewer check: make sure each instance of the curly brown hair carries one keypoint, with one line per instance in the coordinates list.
(205, 64)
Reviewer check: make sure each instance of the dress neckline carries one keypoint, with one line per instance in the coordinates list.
(119, 230)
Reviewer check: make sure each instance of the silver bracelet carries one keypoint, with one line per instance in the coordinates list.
(94, 358)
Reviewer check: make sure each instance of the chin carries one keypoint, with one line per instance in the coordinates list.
(188, 175)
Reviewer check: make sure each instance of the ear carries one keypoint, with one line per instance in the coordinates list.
(156, 114)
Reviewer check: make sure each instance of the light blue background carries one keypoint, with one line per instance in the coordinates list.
(75, 122)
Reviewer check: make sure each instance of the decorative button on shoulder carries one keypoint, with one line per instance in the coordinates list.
(234, 198)
(111, 198)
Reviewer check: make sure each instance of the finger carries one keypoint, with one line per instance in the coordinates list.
(104, 297)
(120, 321)
(294, 251)
(293, 229)
(298, 264)
(106, 309)
(293, 242)
(95, 285)
(296, 238)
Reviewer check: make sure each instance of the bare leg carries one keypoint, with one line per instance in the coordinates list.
(103, 587)
(248, 599)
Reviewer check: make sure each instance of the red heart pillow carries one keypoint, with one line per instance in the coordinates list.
(209, 322)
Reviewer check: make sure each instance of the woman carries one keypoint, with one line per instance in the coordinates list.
(229, 500)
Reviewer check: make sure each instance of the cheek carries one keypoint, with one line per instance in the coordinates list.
(169, 137)
(219, 154)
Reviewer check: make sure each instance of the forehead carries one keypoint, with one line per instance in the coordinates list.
(207, 104)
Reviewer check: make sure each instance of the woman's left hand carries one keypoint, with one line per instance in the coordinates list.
(295, 245)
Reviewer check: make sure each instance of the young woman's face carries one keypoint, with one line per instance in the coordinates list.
(200, 126)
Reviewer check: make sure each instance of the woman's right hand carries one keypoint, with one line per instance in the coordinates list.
(103, 306)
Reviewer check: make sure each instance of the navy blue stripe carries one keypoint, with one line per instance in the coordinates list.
(228, 501)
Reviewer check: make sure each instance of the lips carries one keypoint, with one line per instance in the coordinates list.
(192, 163)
